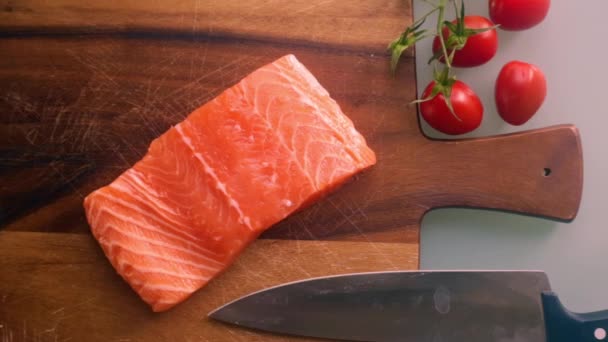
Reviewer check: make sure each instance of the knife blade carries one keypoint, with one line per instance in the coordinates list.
(505, 306)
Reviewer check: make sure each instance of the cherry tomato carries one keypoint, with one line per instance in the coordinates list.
(520, 91)
(478, 49)
(466, 104)
(516, 15)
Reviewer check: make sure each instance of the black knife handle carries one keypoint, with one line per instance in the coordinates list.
(563, 325)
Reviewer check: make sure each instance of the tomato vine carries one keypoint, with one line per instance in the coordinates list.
(456, 39)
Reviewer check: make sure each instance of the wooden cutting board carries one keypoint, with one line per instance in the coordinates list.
(85, 87)
(59, 287)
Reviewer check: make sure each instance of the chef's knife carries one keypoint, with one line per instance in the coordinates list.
(472, 306)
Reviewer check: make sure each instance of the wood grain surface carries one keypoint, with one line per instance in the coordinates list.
(80, 109)
(60, 287)
(360, 25)
(86, 86)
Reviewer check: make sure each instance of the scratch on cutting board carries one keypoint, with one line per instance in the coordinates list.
(204, 54)
(68, 181)
(306, 273)
(86, 133)
(50, 330)
(250, 276)
(348, 218)
(91, 65)
(235, 336)
(311, 7)
(207, 75)
(329, 253)
(144, 115)
(129, 144)
(84, 302)
(304, 227)
(19, 103)
(58, 114)
(360, 209)
(31, 135)
(195, 17)
(372, 244)
(62, 309)
(118, 152)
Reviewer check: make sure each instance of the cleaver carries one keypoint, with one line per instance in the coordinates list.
(418, 306)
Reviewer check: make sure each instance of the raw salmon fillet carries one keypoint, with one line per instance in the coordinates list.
(207, 187)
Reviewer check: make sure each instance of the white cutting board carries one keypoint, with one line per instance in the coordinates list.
(569, 46)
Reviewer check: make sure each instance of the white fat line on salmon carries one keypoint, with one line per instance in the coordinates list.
(162, 171)
(111, 244)
(169, 180)
(139, 237)
(279, 136)
(179, 189)
(156, 287)
(162, 271)
(135, 179)
(337, 170)
(220, 186)
(166, 231)
(319, 164)
(196, 248)
(158, 303)
(129, 192)
(342, 120)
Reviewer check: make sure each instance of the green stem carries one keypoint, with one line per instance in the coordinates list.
(405, 36)
(455, 8)
(441, 8)
(426, 15)
(451, 56)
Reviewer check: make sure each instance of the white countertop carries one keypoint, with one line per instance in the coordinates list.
(569, 46)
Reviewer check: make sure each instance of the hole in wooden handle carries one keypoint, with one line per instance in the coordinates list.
(546, 172)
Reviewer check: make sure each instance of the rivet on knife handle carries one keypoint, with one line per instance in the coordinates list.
(565, 326)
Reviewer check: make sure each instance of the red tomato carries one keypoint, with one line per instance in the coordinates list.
(478, 49)
(465, 102)
(520, 90)
(516, 15)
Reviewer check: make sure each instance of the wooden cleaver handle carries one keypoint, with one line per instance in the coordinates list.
(537, 172)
